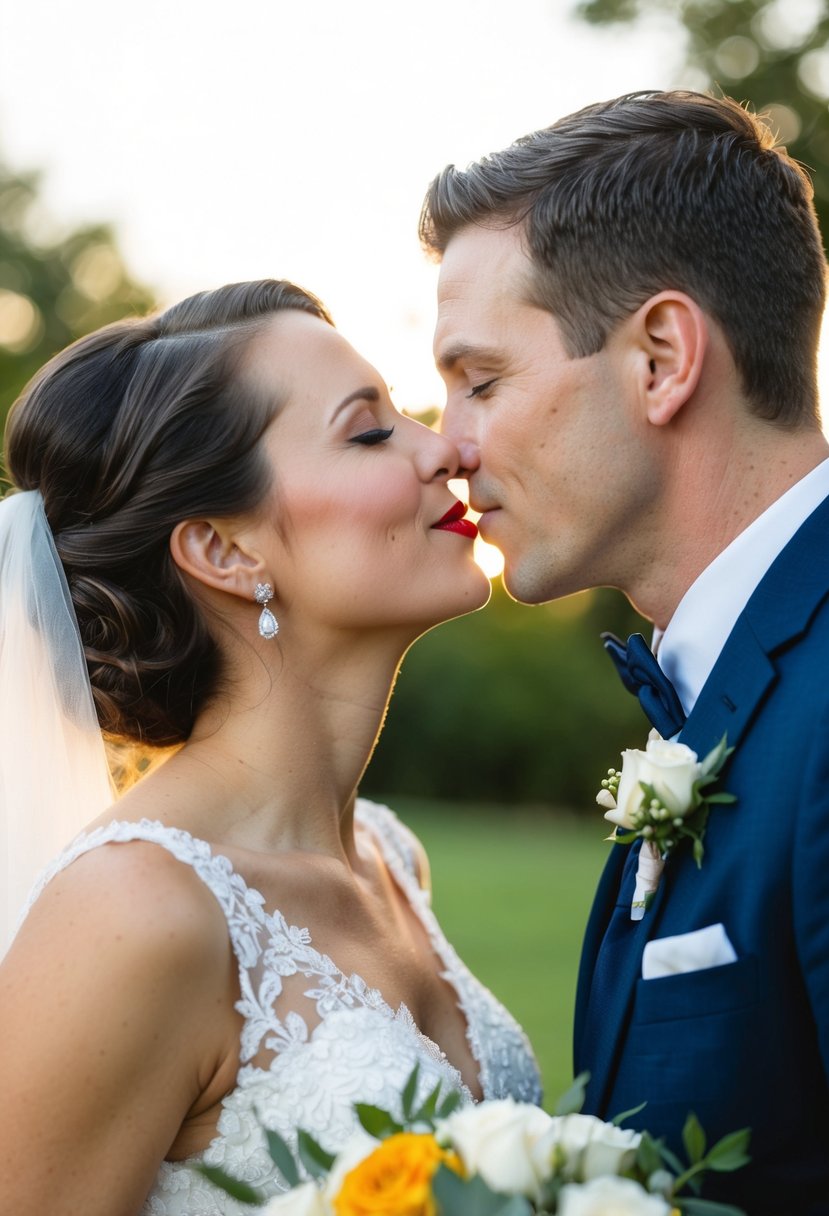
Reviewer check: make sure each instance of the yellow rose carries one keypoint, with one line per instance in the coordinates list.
(396, 1179)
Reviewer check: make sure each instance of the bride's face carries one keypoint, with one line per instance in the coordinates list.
(358, 489)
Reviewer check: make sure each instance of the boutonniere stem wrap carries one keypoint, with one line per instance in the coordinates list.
(658, 797)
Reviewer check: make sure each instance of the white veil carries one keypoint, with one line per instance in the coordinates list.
(54, 776)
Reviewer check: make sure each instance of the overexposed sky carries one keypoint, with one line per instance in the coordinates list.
(261, 138)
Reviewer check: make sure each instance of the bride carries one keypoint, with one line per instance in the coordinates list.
(251, 537)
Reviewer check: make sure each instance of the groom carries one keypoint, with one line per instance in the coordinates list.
(629, 310)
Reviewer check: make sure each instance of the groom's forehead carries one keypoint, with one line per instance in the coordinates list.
(484, 277)
(476, 258)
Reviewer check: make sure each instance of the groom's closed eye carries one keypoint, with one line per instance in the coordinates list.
(480, 390)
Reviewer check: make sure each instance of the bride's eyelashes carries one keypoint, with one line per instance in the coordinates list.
(372, 437)
(480, 390)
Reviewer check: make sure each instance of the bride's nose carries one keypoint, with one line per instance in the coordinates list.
(437, 457)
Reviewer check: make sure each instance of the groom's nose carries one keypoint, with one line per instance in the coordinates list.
(452, 426)
(470, 457)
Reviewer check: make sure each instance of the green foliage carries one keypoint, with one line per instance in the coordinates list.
(769, 53)
(514, 704)
(282, 1157)
(313, 1156)
(472, 1197)
(231, 1186)
(53, 288)
(572, 1100)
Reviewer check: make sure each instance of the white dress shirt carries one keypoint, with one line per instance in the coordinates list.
(691, 643)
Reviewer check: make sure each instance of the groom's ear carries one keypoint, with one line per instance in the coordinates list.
(670, 332)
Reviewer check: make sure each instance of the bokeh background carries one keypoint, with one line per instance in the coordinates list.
(150, 151)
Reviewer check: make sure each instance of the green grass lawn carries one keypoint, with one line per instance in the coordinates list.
(512, 890)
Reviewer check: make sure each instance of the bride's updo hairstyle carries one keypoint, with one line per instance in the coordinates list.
(126, 433)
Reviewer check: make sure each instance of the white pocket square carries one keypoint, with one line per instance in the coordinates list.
(695, 951)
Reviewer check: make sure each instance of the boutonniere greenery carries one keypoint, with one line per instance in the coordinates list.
(661, 796)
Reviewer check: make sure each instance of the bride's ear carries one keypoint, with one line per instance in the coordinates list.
(211, 552)
(671, 335)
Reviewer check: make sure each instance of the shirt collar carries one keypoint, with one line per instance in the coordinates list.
(696, 633)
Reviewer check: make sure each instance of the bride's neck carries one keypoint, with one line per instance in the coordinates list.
(274, 762)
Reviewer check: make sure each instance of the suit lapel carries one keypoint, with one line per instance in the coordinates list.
(605, 1049)
(600, 914)
(778, 612)
(740, 679)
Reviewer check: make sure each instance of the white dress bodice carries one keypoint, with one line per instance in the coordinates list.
(358, 1049)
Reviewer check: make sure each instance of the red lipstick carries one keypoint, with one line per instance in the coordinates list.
(453, 521)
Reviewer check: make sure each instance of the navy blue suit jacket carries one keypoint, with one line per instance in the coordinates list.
(745, 1044)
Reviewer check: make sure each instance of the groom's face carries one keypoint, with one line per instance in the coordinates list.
(546, 440)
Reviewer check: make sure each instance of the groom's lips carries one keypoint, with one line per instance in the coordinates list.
(453, 521)
(486, 516)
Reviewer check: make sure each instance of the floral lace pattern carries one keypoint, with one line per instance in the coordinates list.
(360, 1049)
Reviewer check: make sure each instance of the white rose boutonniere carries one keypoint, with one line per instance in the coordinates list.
(657, 797)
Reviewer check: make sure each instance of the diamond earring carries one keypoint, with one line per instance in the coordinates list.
(268, 624)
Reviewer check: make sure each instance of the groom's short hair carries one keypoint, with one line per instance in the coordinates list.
(653, 191)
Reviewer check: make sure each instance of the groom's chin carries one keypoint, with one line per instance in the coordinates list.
(525, 585)
(533, 578)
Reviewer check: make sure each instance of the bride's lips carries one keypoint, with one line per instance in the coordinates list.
(453, 521)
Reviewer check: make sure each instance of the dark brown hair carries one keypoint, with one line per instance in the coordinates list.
(653, 191)
(125, 433)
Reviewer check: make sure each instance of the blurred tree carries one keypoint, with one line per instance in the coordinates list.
(514, 704)
(773, 53)
(52, 289)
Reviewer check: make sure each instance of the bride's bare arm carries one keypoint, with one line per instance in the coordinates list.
(114, 1022)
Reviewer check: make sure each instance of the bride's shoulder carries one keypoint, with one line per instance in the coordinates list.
(396, 838)
(120, 896)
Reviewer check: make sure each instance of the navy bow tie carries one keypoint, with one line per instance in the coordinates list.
(642, 675)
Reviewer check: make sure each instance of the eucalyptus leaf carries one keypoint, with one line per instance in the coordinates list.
(621, 837)
(313, 1156)
(282, 1157)
(232, 1186)
(619, 1119)
(671, 1160)
(449, 1104)
(693, 1137)
(572, 1100)
(649, 1155)
(707, 1207)
(730, 1153)
(713, 762)
(409, 1091)
(428, 1110)
(456, 1196)
(377, 1122)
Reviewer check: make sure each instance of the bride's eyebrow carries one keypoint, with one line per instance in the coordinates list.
(369, 393)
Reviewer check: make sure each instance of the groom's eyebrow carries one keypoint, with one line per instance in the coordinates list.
(458, 351)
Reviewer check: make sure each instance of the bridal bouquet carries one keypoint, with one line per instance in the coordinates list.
(498, 1158)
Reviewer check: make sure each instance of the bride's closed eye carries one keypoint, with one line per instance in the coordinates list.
(480, 390)
(372, 437)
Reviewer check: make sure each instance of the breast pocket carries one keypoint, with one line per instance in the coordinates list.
(694, 1039)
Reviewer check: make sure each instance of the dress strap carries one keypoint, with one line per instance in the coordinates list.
(242, 907)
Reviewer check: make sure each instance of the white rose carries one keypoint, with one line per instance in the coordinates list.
(495, 1139)
(671, 768)
(580, 1147)
(610, 1197)
(303, 1200)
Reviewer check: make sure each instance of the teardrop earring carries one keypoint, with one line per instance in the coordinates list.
(268, 624)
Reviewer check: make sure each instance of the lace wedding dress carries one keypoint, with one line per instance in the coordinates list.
(357, 1048)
